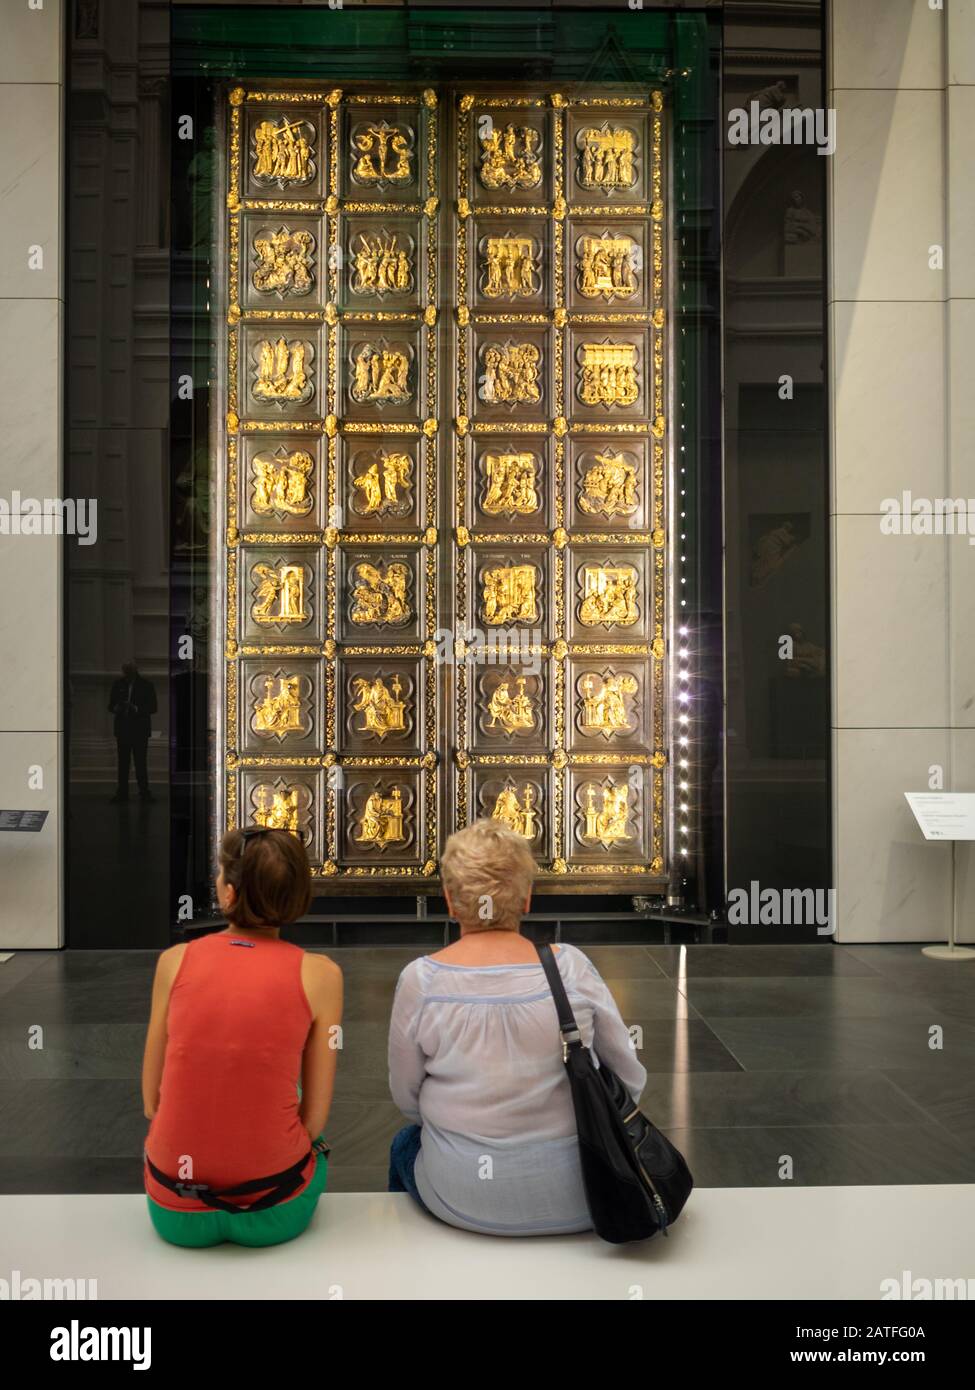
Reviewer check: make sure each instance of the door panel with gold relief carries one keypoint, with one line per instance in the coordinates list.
(443, 558)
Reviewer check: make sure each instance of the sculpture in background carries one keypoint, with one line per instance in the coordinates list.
(281, 482)
(383, 155)
(609, 486)
(379, 485)
(382, 710)
(284, 262)
(276, 809)
(512, 712)
(509, 595)
(511, 374)
(800, 224)
(509, 267)
(808, 660)
(283, 152)
(608, 823)
(381, 822)
(279, 713)
(509, 156)
(281, 374)
(605, 267)
(608, 374)
(521, 817)
(771, 551)
(379, 596)
(606, 158)
(381, 375)
(280, 595)
(382, 265)
(603, 703)
(511, 484)
(608, 596)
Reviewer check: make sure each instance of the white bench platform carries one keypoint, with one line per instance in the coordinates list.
(762, 1243)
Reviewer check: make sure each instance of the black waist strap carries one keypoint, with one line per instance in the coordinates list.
(281, 1185)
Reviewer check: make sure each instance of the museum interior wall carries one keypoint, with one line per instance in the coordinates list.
(755, 564)
(31, 287)
(901, 325)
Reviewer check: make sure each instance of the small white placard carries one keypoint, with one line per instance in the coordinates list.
(944, 815)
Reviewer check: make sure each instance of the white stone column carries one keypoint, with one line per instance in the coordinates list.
(960, 418)
(31, 290)
(902, 403)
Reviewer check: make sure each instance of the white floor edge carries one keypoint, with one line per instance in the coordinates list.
(755, 1243)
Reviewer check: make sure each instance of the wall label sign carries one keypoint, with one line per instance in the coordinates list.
(22, 820)
(944, 815)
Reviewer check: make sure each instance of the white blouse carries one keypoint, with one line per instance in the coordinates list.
(475, 1058)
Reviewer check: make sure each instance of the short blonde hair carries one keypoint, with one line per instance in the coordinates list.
(488, 870)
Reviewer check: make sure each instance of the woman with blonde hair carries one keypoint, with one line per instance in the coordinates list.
(475, 1059)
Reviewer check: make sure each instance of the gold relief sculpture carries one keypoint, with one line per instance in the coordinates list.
(276, 810)
(382, 710)
(510, 484)
(284, 262)
(379, 485)
(609, 823)
(335, 152)
(509, 595)
(608, 596)
(509, 156)
(382, 265)
(283, 152)
(608, 374)
(383, 155)
(511, 374)
(280, 374)
(279, 713)
(521, 817)
(381, 375)
(603, 702)
(605, 267)
(382, 820)
(609, 486)
(280, 594)
(512, 712)
(281, 482)
(509, 267)
(606, 158)
(379, 596)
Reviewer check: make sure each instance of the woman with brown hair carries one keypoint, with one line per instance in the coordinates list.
(240, 1060)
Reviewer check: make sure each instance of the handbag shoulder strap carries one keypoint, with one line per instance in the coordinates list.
(571, 1037)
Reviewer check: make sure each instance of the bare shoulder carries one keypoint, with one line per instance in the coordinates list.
(170, 960)
(321, 979)
(320, 970)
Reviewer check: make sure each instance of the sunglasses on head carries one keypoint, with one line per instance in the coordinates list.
(247, 834)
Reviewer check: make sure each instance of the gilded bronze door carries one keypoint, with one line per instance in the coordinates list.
(443, 575)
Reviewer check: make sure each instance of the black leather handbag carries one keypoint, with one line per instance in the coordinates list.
(636, 1181)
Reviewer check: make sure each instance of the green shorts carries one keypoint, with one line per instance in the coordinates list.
(273, 1226)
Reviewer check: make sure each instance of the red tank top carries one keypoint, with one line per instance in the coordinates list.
(228, 1103)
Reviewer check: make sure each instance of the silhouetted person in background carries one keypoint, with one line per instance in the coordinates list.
(133, 703)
